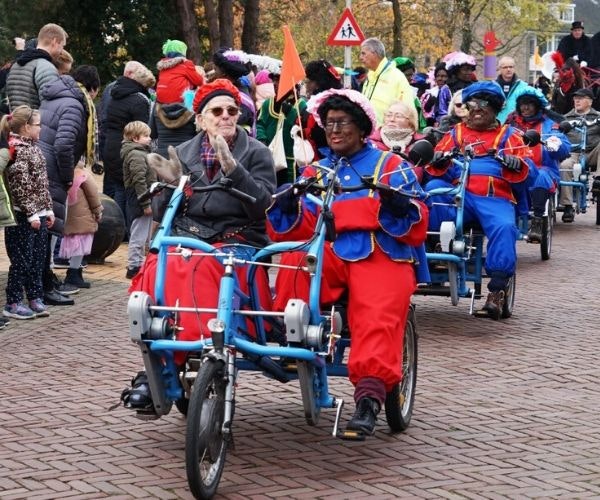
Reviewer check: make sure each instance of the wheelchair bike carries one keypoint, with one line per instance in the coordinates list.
(580, 170)
(312, 346)
(457, 257)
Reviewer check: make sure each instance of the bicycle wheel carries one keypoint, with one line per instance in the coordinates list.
(306, 377)
(400, 400)
(509, 297)
(205, 443)
(546, 241)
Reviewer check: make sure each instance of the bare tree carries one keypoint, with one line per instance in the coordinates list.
(225, 23)
(212, 23)
(250, 30)
(189, 27)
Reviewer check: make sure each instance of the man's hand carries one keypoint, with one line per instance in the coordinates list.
(223, 154)
(148, 211)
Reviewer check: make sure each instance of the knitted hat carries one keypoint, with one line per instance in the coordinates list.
(577, 25)
(220, 86)
(174, 46)
(231, 62)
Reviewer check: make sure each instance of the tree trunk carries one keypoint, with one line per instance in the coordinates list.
(466, 29)
(226, 23)
(212, 22)
(189, 28)
(397, 31)
(250, 31)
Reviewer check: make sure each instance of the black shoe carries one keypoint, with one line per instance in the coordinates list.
(535, 231)
(365, 416)
(138, 397)
(569, 214)
(131, 272)
(54, 298)
(596, 186)
(75, 277)
(493, 304)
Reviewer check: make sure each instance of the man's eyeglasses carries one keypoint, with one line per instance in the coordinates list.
(330, 126)
(219, 110)
(395, 116)
(477, 103)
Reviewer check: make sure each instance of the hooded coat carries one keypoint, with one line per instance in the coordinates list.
(171, 124)
(62, 138)
(32, 70)
(129, 101)
(175, 76)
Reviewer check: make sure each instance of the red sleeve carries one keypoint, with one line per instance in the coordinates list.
(193, 76)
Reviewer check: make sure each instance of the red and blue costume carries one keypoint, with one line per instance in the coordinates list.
(377, 257)
(489, 199)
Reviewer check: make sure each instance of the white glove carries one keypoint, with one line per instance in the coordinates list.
(583, 64)
(223, 154)
(553, 143)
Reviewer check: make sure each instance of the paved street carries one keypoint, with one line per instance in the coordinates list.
(503, 409)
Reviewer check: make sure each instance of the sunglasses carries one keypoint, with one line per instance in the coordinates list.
(219, 110)
(477, 103)
(458, 104)
(332, 125)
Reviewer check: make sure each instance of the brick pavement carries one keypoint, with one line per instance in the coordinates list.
(503, 410)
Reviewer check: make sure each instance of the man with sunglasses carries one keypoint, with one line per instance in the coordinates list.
(489, 200)
(222, 149)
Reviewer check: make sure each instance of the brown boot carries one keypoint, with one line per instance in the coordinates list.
(493, 304)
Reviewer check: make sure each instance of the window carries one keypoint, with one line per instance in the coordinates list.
(563, 12)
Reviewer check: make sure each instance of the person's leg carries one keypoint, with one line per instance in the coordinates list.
(138, 236)
(566, 192)
(75, 273)
(496, 216)
(379, 292)
(34, 285)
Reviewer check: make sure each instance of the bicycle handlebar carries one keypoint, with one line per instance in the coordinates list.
(224, 184)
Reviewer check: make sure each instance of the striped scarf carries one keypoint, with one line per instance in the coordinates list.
(92, 152)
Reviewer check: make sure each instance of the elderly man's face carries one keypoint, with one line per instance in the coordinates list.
(582, 104)
(368, 58)
(506, 69)
(219, 117)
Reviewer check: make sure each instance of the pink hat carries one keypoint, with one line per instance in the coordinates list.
(262, 77)
(315, 102)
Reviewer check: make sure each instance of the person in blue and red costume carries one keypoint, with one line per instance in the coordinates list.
(489, 199)
(376, 256)
(530, 114)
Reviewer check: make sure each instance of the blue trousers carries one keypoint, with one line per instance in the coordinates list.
(26, 250)
(496, 216)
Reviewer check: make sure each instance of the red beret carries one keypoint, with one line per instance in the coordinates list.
(220, 86)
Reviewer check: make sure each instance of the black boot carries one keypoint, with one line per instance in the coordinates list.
(75, 277)
(535, 231)
(138, 397)
(365, 416)
(568, 214)
(493, 304)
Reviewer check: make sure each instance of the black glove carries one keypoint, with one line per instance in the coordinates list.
(439, 159)
(287, 201)
(395, 203)
(512, 163)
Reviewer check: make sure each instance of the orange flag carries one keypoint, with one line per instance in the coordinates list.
(292, 71)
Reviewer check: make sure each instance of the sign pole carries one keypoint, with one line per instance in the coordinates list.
(346, 33)
(348, 57)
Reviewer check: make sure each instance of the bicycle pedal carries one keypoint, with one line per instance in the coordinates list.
(146, 415)
(350, 435)
(481, 314)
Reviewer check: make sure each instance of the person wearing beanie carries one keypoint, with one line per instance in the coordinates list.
(222, 149)
(531, 114)
(461, 70)
(576, 44)
(489, 199)
(176, 73)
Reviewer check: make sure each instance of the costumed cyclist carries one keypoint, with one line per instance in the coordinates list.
(378, 256)
(489, 199)
(530, 114)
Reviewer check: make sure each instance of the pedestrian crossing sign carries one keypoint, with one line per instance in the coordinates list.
(346, 31)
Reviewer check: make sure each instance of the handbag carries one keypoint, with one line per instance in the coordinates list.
(277, 147)
(187, 227)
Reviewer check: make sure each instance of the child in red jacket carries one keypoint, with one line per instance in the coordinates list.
(176, 74)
